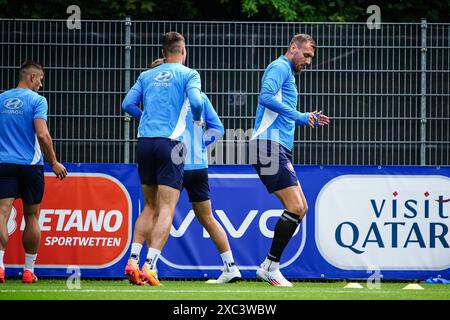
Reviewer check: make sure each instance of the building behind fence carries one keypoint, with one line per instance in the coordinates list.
(387, 90)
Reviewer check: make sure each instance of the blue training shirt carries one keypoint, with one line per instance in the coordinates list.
(165, 92)
(276, 114)
(196, 139)
(18, 141)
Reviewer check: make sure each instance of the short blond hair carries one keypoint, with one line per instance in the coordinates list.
(301, 38)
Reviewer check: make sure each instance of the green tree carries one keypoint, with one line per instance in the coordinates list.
(230, 10)
(349, 10)
(292, 10)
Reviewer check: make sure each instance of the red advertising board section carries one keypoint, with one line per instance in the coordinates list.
(85, 220)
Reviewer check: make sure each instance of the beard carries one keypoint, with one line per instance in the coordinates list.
(298, 68)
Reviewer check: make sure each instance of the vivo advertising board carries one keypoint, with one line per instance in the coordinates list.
(248, 215)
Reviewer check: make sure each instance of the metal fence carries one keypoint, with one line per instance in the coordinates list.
(387, 90)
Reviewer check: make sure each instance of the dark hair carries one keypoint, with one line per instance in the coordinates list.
(301, 38)
(172, 42)
(27, 65)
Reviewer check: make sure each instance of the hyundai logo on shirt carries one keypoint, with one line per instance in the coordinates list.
(164, 76)
(13, 103)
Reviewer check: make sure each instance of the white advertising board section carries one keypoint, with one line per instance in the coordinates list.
(385, 221)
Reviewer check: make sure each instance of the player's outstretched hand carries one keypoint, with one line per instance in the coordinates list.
(59, 170)
(322, 119)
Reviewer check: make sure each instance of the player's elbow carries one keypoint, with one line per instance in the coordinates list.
(265, 99)
(221, 130)
(196, 102)
(126, 106)
(262, 98)
(42, 136)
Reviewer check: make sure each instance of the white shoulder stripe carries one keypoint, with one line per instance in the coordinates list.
(37, 151)
(268, 118)
(181, 123)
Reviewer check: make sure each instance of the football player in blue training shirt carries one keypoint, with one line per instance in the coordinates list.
(166, 92)
(195, 181)
(271, 145)
(24, 137)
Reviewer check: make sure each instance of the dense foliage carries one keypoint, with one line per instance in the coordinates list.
(231, 10)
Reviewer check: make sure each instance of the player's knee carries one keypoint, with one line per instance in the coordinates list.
(298, 209)
(206, 220)
(4, 212)
(31, 218)
(305, 206)
(3, 241)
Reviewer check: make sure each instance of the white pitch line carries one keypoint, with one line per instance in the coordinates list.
(147, 291)
(195, 291)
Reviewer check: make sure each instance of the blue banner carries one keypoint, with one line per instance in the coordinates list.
(362, 220)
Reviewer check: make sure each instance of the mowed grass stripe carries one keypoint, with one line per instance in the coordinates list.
(245, 290)
(393, 291)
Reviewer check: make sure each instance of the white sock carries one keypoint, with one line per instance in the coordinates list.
(135, 251)
(228, 261)
(2, 253)
(152, 258)
(30, 259)
(270, 265)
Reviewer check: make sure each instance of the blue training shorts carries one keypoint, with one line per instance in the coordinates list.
(22, 181)
(161, 162)
(196, 184)
(273, 163)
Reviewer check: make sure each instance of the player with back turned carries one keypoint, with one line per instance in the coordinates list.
(165, 92)
(195, 181)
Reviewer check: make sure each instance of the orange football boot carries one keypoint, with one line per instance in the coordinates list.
(132, 273)
(149, 276)
(2, 275)
(29, 277)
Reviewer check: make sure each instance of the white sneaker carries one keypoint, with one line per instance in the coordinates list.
(274, 277)
(227, 277)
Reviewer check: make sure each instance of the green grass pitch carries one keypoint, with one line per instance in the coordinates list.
(46, 289)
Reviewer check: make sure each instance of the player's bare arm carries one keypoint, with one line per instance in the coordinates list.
(46, 143)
